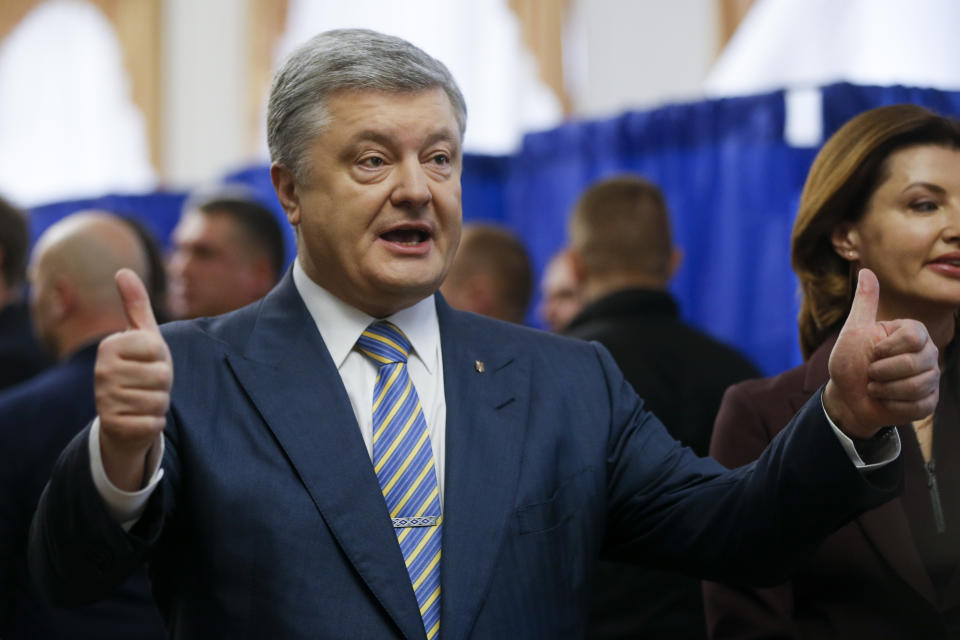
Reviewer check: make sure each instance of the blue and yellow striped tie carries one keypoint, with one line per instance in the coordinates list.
(403, 461)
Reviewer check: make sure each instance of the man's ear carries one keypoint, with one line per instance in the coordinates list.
(577, 267)
(285, 185)
(846, 241)
(63, 298)
(676, 259)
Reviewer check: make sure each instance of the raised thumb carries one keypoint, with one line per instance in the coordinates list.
(136, 301)
(863, 311)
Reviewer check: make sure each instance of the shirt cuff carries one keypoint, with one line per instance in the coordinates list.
(884, 447)
(125, 507)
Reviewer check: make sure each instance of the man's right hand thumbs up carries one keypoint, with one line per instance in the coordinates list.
(132, 381)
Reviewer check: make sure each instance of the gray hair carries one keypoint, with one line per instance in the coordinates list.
(342, 60)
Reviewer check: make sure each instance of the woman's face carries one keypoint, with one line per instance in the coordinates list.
(909, 234)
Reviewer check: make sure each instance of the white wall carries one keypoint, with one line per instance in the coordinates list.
(68, 126)
(628, 54)
(204, 96)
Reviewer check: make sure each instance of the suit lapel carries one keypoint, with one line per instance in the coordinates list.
(486, 421)
(294, 384)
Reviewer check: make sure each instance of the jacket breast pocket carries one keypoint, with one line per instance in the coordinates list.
(543, 564)
(565, 502)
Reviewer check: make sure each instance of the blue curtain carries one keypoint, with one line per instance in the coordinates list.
(731, 182)
(158, 211)
(842, 101)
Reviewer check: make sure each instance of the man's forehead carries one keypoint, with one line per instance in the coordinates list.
(211, 224)
(361, 107)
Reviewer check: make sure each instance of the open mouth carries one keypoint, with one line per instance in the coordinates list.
(406, 237)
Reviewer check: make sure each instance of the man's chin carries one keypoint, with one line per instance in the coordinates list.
(393, 296)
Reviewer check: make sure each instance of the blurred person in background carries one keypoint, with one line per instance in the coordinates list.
(21, 357)
(490, 274)
(623, 258)
(156, 284)
(883, 193)
(228, 251)
(74, 303)
(560, 294)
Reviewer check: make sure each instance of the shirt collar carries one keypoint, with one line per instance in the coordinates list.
(340, 324)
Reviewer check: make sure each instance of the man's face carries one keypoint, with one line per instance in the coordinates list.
(379, 216)
(561, 295)
(212, 271)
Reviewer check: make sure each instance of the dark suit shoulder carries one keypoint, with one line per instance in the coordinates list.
(56, 395)
(21, 356)
(516, 336)
(224, 332)
(659, 343)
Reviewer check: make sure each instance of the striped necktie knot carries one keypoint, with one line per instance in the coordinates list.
(384, 343)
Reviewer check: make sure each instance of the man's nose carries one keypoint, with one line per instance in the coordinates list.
(412, 188)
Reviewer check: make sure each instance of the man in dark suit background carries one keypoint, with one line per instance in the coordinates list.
(74, 304)
(20, 355)
(243, 455)
(623, 259)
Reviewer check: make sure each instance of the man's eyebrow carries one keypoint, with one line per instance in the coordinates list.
(443, 135)
(371, 135)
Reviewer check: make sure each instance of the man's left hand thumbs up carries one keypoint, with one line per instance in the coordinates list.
(881, 373)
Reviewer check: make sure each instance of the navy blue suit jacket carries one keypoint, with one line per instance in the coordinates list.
(21, 356)
(37, 420)
(269, 521)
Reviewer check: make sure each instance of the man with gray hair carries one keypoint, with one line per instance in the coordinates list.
(352, 458)
(74, 303)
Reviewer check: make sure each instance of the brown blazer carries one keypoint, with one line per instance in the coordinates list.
(869, 579)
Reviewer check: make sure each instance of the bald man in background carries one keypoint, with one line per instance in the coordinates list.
(74, 303)
(490, 274)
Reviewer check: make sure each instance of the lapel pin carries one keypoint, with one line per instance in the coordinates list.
(478, 365)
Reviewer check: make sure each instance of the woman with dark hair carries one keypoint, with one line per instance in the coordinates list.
(883, 193)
